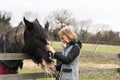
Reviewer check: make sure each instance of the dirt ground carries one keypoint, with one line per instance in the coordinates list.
(31, 64)
(99, 66)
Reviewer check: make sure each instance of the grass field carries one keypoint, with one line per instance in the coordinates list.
(86, 63)
(102, 49)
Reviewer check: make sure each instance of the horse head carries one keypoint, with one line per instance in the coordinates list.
(35, 40)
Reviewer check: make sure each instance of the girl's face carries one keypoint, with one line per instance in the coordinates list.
(63, 40)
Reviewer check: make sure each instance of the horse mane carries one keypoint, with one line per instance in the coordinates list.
(41, 30)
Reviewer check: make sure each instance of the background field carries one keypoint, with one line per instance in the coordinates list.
(85, 63)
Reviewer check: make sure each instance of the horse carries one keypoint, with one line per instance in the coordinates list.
(29, 38)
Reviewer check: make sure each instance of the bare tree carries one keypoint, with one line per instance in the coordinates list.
(83, 30)
(61, 18)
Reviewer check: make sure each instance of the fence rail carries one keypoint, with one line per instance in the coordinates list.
(21, 56)
(24, 76)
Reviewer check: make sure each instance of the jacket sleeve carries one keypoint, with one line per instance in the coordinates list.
(58, 66)
(70, 57)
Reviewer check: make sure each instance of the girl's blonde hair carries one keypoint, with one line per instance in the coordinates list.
(67, 34)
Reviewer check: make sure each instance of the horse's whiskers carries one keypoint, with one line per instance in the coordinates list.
(47, 67)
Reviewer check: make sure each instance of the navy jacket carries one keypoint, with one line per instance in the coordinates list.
(75, 51)
(69, 61)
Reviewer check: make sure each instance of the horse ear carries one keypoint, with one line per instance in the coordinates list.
(36, 21)
(28, 24)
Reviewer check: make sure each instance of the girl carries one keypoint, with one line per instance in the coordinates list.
(69, 58)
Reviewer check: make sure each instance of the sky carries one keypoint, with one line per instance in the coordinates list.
(99, 11)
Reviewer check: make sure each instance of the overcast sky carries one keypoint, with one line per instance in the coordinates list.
(99, 11)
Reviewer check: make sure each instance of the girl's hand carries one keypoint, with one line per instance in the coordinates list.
(49, 48)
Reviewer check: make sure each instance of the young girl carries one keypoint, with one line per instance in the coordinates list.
(69, 58)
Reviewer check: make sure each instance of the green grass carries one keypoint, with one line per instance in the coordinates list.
(47, 79)
(34, 70)
(99, 61)
(100, 77)
(102, 49)
(92, 77)
(56, 45)
(30, 70)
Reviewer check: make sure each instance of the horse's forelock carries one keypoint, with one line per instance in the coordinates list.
(40, 31)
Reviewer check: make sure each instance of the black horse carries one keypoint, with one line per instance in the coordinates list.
(29, 38)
